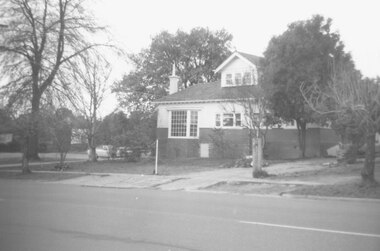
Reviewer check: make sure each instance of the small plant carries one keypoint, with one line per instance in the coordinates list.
(260, 174)
(61, 166)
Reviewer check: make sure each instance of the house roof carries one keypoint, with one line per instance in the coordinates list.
(208, 92)
(252, 58)
(249, 58)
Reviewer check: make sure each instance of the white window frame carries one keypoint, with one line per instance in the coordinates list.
(238, 78)
(250, 78)
(231, 82)
(221, 118)
(188, 123)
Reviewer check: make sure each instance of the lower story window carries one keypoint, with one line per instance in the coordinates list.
(228, 120)
(193, 124)
(184, 123)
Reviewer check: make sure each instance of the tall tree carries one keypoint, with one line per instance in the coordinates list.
(195, 55)
(299, 55)
(347, 94)
(38, 38)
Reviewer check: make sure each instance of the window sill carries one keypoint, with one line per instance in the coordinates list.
(171, 137)
(229, 127)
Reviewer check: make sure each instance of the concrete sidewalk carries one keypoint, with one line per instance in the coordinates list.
(201, 180)
(188, 182)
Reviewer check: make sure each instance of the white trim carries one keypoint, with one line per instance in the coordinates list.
(188, 123)
(228, 60)
(234, 121)
(183, 108)
(198, 101)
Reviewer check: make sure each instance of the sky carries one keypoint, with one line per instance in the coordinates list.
(251, 22)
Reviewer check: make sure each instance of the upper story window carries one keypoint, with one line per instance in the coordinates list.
(239, 78)
(229, 79)
(184, 124)
(247, 79)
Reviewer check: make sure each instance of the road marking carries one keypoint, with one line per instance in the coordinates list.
(311, 229)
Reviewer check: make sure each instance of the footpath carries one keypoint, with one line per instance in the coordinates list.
(287, 177)
(206, 179)
(187, 182)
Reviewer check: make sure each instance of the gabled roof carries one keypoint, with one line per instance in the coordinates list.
(249, 58)
(209, 92)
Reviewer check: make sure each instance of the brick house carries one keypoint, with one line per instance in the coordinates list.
(205, 121)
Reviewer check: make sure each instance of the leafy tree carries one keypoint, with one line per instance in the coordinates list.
(38, 38)
(112, 129)
(135, 131)
(195, 55)
(61, 125)
(6, 124)
(299, 55)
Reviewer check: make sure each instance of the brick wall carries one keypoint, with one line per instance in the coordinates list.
(280, 143)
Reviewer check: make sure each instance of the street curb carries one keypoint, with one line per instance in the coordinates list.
(288, 196)
(315, 197)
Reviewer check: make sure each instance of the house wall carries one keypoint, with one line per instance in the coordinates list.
(176, 148)
(238, 65)
(280, 143)
(206, 114)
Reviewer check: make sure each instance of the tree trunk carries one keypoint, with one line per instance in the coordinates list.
(92, 149)
(368, 169)
(257, 156)
(301, 128)
(25, 162)
(92, 156)
(33, 144)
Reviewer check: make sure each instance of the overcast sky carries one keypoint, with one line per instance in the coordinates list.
(252, 24)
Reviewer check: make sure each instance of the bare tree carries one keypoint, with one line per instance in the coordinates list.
(91, 76)
(257, 120)
(38, 38)
(347, 93)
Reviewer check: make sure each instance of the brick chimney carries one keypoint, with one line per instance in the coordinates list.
(173, 82)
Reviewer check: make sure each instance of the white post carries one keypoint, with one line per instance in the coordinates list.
(156, 163)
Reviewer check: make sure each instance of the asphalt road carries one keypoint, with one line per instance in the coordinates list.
(46, 216)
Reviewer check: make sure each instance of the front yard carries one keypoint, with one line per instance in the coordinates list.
(145, 166)
(322, 177)
(341, 180)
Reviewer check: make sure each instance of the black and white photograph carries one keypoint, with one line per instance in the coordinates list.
(189, 125)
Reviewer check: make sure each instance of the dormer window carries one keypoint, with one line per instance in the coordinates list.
(229, 79)
(244, 77)
(238, 80)
(247, 79)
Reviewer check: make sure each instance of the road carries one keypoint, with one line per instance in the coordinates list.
(47, 216)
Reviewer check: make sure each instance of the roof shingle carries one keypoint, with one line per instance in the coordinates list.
(208, 92)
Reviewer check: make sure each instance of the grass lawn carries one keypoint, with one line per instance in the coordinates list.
(145, 166)
(350, 190)
(39, 176)
(345, 181)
